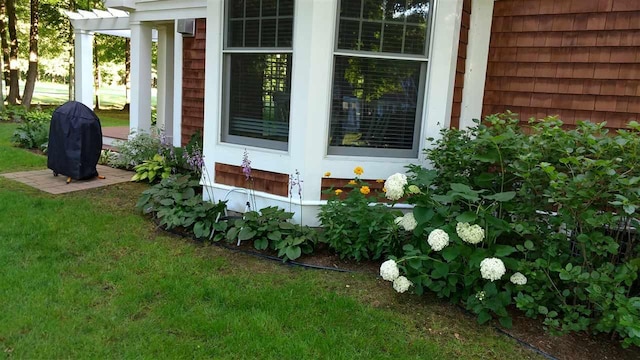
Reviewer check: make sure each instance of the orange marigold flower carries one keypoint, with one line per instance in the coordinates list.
(384, 190)
(365, 190)
(352, 182)
(338, 192)
(380, 181)
(358, 170)
(328, 173)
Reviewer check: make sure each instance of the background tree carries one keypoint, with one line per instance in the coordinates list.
(14, 71)
(32, 73)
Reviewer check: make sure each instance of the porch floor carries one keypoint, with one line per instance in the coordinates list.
(45, 181)
(116, 132)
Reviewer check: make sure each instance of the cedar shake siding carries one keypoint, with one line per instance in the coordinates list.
(579, 59)
(193, 55)
(460, 66)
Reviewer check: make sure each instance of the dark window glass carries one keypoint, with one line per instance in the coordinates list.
(285, 33)
(260, 91)
(269, 7)
(374, 103)
(236, 9)
(235, 32)
(251, 33)
(268, 34)
(350, 8)
(395, 27)
(260, 23)
(285, 8)
(253, 8)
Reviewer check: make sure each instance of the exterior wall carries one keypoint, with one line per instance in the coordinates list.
(578, 59)
(461, 65)
(193, 70)
(312, 74)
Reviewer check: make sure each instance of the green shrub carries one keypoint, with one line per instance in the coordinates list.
(33, 130)
(138, 148)
(152, 170)
(559, 206)
(177, 203)
(270, 228)
(357, 227)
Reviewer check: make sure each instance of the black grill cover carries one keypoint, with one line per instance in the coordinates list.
(75, 141)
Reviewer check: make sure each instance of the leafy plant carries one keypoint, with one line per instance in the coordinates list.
(271, 228)
(358, 228)
(33, 132)
(138, 148)
(177, 203)
(152, 170)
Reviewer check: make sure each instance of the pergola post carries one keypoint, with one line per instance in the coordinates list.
(141, 40)
(84, 67)
(166, 36)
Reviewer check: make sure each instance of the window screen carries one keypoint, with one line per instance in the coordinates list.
(376, 101)
(258, 60)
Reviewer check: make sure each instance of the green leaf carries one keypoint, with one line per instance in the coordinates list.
(467, 216)
(261, 244)
(293, 252)
(286, 226)
(490, 156)
(440, 270)
(246, 233)
(167, 202)
(423, 214)
(502, 196)
(504, 250)
(506, 322)
(528, 244)
(483, 317)
(543, 310)
(275, 235)
(450, 253)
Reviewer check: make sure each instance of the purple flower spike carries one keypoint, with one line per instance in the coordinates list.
(246, 165)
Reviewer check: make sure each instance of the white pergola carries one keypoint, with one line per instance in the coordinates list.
(142, 34)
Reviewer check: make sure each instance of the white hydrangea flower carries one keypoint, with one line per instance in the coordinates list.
(492, 269)
(389, 270)
(395, 186)
(438, 239)
(401, 284)
(407, 222)
(472, 234)
(518, 279)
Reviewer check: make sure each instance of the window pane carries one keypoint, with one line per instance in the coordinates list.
(268, 33)
(418, 11)
(269, 7)
(370, 37)
(373, 10)
(348, 35)
(253, 8)
(392, 41)
(285, 32)
(251, 31)
(236, 10)
(235, 33)
(285, 8)
(395, 10)
(260, 90)
(415, 39)
(374, 103)
(350, 8)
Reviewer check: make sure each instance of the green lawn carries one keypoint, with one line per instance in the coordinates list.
(111, 97)
(84, 275)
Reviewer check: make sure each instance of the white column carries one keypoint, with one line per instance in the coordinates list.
(84, 67)
(213, 85)
(477, 59)
(442, 73)
(165, 80)
(140, 115)
(177, 89)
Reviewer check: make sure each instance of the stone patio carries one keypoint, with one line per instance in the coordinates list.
(45, 181)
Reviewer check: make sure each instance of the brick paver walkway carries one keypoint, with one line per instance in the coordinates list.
(45, 181)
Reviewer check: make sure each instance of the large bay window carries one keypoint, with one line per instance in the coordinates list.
(379, 74)
(257, 76)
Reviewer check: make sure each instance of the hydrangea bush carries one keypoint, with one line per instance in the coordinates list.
(544, 220)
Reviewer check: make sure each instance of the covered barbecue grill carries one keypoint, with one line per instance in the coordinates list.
(75, 141)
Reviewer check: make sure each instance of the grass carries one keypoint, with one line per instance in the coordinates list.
(14, 159)
(84, 275)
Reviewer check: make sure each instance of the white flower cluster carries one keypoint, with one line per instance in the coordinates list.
(401, 284)
(395, 186)
(518, 279)
(480, 295)
(390, 272)
(438, 239)
(492, 269)
(472, 234)
(407, 222)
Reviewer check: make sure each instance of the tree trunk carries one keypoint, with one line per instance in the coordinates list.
(14, 72)
(127, 73)
(72, 7)
(3, 43)
(32, 73)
